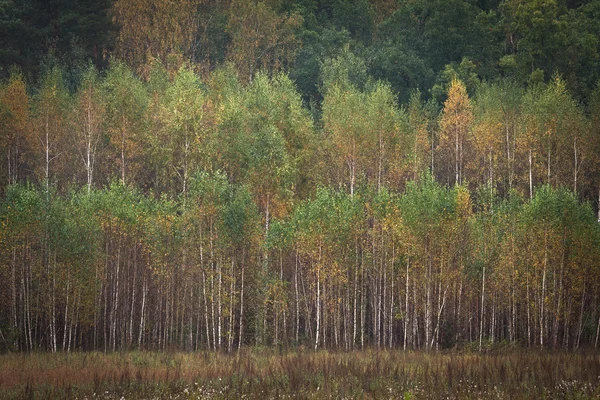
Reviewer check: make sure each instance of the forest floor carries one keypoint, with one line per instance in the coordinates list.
(266, 373)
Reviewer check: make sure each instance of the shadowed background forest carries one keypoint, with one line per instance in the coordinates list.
(212, 174)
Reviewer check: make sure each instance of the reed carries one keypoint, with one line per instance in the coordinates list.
(268, 373)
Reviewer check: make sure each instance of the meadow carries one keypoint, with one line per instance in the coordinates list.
(267, 373)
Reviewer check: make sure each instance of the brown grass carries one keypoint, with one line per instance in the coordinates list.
(267, 374)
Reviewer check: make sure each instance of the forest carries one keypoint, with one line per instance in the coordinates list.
(335, 174)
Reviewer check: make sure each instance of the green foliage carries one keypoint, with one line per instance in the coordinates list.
(345, 71)
(425, 204)
(74, 31)
(241, 201)
(240, 216)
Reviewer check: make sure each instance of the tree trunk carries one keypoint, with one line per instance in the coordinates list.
(576, 165)
(530, 175)
(132, 308)
(543, 298)
(434, 337)
(297, 327)
(482, 309)
(354, 321)
(456, 160)
(318, 299)
(231, 300)
(580, 330)
(142, 311)
(123, 153)
(597, 333)
(406, 314)
(66, 316)
(219, 307)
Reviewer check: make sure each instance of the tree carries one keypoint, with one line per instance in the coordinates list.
(421, 140)
(164, 30)
(260, 38)
(432, 216)
(15, 120)
(440, 32)
(182, 119)
(488, 136)
(545, 36)
(50, 126)
(89, 122)
(73, 31)
(455, 130)
(555, 130)
(126, 100)
(558, 257)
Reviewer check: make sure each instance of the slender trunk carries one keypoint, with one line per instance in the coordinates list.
(543, 298)
(493, 318)
(580, 330)
(458, 310)
(220, 309)
(414, 319)
(132, 308)
(27, 295)
(508, 161)
(597, 333)
(346, 314)
(432, 152)
(456, 158)
(428, 302)
(116, 301)
(549, 152)
(482, 309)
(307, 305)
(391, 309)
(297, 298)
(232, 291)
(143, 309)
(212, 289)
(206, 323)
(460, 161)
(318, 310)
(64, 344)
(318, 299)
(196, 344)
(406, 315)
(88, 142)
(47, 151)
(415, 158)
(491, 168)
(380, 162)
(354, 325)
(190, 339)
(528, 311)
(576, 165)
(351, 166)
(434, 337)
(53, 325)
(123, 153)
(185, 163)
(240, 335)
(13, 288)
(363, 306)
(73, 326)
(530, 175)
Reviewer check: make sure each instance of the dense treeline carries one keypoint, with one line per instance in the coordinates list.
(209, 213)
(412, 44)
(208, 174)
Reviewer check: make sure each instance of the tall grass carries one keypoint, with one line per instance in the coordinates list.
(268, 374)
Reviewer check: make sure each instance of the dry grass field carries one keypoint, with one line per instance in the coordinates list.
(266, 374)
